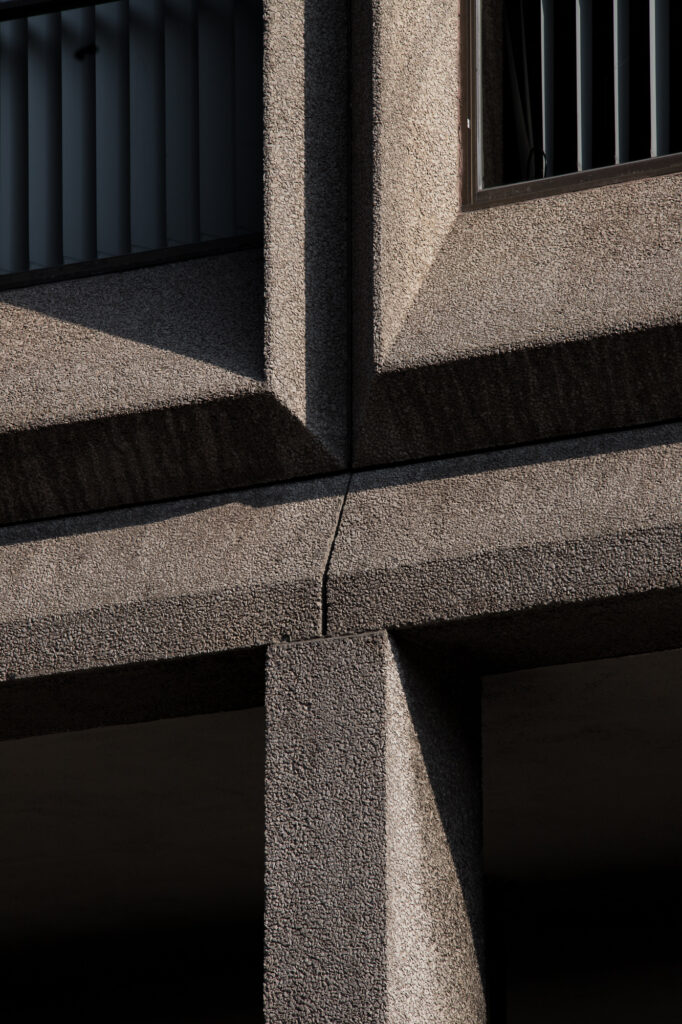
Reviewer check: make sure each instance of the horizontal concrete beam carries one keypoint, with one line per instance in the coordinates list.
(123, 694)
(165, 581)
(531, 555)
(525, 530)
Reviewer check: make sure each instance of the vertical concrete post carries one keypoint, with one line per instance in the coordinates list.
(373, 836)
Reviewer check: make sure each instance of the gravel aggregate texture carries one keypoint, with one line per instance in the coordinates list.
(372, 839)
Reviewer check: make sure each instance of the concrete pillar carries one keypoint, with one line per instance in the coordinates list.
(373, 837)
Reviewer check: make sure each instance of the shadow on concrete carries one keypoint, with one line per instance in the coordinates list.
(125, 694)
(264, 496)
(210, 310)
(514, 456)
(324, 486)
(326, 221)
(132, 872)
(445, 707)
(183, 972)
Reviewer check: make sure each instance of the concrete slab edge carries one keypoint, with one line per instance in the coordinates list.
(567, 523)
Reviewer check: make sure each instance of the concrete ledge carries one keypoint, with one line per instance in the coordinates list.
(166, 581)
(498, 326)
(518, 394)
(210, 374)
(590, 520)
(519, 556)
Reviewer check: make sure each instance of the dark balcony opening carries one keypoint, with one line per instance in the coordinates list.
(583, 842)
(132, 872)
(128, 128)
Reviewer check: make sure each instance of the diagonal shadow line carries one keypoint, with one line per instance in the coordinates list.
(209, 309)
(340, 484)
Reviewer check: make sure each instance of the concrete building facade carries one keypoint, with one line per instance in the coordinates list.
(408, 477)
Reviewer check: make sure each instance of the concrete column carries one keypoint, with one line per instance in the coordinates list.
(373, 837)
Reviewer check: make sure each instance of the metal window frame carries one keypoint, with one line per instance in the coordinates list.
(11, 10)
(474, 197)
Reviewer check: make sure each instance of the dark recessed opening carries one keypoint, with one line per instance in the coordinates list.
(583, 842)
(571, 88)
(131, 874)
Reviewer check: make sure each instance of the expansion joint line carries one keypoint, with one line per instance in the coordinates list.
(330, 555)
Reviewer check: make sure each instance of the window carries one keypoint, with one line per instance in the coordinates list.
(575, 91)
(129, 131)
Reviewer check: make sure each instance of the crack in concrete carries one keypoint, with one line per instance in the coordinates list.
(330, 555)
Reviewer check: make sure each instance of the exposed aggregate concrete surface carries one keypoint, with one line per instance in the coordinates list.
(372, 841)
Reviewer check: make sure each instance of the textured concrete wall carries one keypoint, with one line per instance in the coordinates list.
(473, 330)
(452, 542)
(306, 202)
(417, 150)
(202, 375)
(372, 839)
(496, 326)
(558, 524)
(166, 580)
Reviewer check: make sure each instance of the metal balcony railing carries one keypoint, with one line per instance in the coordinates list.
(127, 127)
(566, 86)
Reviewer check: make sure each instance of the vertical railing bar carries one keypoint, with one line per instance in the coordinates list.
(659, 75)
(621, 79)
(14, 146)
(478, 93)
(547, 76)
(531, 168)
(57, 219)
(161, 115)
(195, 219)
(216, 120)
(44, 141)
(148, 124)
(234, 155)
(90, 170)
(583, 54)
(248, 117)
(124, 162)
(113, 129)
(182, 122)
(79, 188)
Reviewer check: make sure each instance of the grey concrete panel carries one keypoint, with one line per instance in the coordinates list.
(521, 394)
(164, 581)
(128, 343)
(373, 842)
(209, 374)
(581, 767)
(306, 219)
(200, 685)
(139, 386)
(502, 325)
(184, 449)
(560, 524)
(407, 146)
